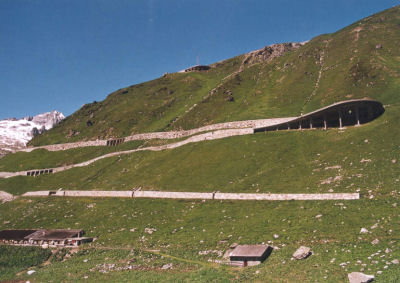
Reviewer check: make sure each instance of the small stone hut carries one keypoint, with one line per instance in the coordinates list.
(248, 255)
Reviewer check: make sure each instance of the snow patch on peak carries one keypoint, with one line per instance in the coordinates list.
(16, 133)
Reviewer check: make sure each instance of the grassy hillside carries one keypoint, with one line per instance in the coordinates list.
(186, 230)
(146, 107)
(362, 60)
(364, 158)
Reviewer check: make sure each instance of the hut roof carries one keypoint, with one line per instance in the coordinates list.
(58, 235)
(251, 251)
(15, 234)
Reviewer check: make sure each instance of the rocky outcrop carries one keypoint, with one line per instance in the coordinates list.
(4, 197)
(358, 277)
(268, 53)
(302, 253)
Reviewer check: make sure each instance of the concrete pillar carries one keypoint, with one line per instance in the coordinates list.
(340, 119)
(288, 126)
(325, 123)
(310, 123)
(300, 125)
(357, 116)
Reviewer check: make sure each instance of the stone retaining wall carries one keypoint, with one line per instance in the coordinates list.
(118, 194)
(239, 196)
(12, 174)
(65, 146)
(166, 135)
(195, 195)
(202, 137)
(174, 195)
(214, 127)
(37, 194)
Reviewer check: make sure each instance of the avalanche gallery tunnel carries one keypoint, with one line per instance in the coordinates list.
(345, 113)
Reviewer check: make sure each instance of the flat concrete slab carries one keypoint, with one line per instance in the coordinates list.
(250, 253)
(54, 235)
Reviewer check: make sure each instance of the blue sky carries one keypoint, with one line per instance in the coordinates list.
(60, 54)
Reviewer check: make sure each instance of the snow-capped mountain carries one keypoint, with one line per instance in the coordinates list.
(16, 133)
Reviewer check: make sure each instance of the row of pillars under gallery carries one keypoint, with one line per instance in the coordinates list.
(338, 117)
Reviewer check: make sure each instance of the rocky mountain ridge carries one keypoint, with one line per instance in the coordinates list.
(15, 133)
(270, 52)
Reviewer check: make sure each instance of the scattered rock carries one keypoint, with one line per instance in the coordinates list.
(149, 230)
(363, 231)
(365, 160)
(302, 253)
(167, 266)
(318, 216)
(132, 229)
(107, 267)
(4, 197)
(45, 246)
(374, 226)
(234, 245)
(375, 242)
(333, 167)
(378, 46)
(30, 272)
(394, 161)
(395, 261)
(358, 277)
(388, 250)
(276, 236)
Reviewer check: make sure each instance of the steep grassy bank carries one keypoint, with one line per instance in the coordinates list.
(17, 259)
(361, 159)
(190, 233)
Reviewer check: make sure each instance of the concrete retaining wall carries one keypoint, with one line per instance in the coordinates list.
(118, 194)
(37, 194)
(167, 135)
(239, 196)
(214, 127)
(197, 138)
(65, 146)
(11, 174)
(174, 195)
(195, 195)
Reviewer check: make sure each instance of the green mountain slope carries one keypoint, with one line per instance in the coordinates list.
(362, 60)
